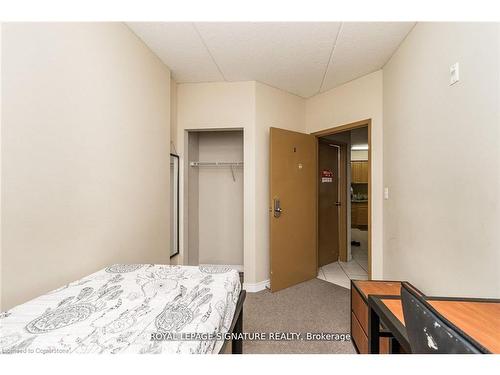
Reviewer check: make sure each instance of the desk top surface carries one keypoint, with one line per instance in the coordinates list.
(386, 288)
(478, 319)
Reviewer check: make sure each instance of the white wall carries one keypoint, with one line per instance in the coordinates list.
(354, 101)
(85, 161)
(442, 160)
(220, 211)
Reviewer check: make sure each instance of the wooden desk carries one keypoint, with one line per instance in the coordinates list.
(360, 290)
(477, 318)
(386, 310)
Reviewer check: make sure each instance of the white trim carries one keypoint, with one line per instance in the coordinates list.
(256, 287)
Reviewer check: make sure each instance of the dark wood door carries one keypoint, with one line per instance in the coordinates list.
(328, 202)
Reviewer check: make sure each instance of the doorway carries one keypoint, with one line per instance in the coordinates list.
(332, 207)
(344, 203)
(306, 195)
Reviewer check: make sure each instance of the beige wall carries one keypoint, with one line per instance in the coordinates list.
(173, 138)
(220, 211)
(255, 107)
(1, 198)
(359, 155)
(191, 197)
(173, 116)
(357, 100)
(442, 160)
(273, 108)
(85, 164)
(220, 105)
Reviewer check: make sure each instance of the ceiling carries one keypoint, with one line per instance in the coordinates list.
(304, 58)
(359, 136)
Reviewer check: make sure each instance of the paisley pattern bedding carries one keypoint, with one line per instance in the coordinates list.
(120, 308)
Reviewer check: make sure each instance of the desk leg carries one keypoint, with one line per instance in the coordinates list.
(374, 332)
(395, 348)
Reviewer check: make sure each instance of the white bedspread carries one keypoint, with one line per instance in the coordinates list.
(117, 309)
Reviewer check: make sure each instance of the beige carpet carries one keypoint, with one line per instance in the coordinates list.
(313, 306)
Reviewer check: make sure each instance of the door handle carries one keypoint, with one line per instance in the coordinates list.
(338, 204)
(277, 210)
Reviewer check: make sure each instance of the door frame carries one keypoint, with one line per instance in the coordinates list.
(347, 127)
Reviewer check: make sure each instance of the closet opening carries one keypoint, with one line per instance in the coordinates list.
(213, 180)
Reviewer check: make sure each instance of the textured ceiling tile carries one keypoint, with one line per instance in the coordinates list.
(292, 56)
(179, 46)
(289, 55)
(362, 48)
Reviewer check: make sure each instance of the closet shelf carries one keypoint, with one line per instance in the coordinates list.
(216, 164)
(230, 164)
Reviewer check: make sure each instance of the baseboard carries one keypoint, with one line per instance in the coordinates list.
(256, 287)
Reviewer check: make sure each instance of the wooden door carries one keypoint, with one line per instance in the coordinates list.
(293, 208)
(328, 203)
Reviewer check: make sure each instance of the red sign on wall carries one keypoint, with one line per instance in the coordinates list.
(326, 173)
(326, 176)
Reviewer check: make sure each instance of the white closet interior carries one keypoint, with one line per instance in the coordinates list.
(214, 169)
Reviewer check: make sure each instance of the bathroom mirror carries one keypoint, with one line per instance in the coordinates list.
(174, 205)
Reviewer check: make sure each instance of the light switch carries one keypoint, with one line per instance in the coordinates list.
(386, 193)
(454, 74)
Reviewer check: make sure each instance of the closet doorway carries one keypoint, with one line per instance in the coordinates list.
(214, 178)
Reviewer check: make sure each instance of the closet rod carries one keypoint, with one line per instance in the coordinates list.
(216, 164)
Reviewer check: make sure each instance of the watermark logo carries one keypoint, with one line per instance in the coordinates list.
(251, 336)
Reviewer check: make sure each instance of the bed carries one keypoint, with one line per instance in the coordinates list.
(132, 308)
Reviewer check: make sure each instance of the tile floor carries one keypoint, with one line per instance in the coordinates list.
(341, 273)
